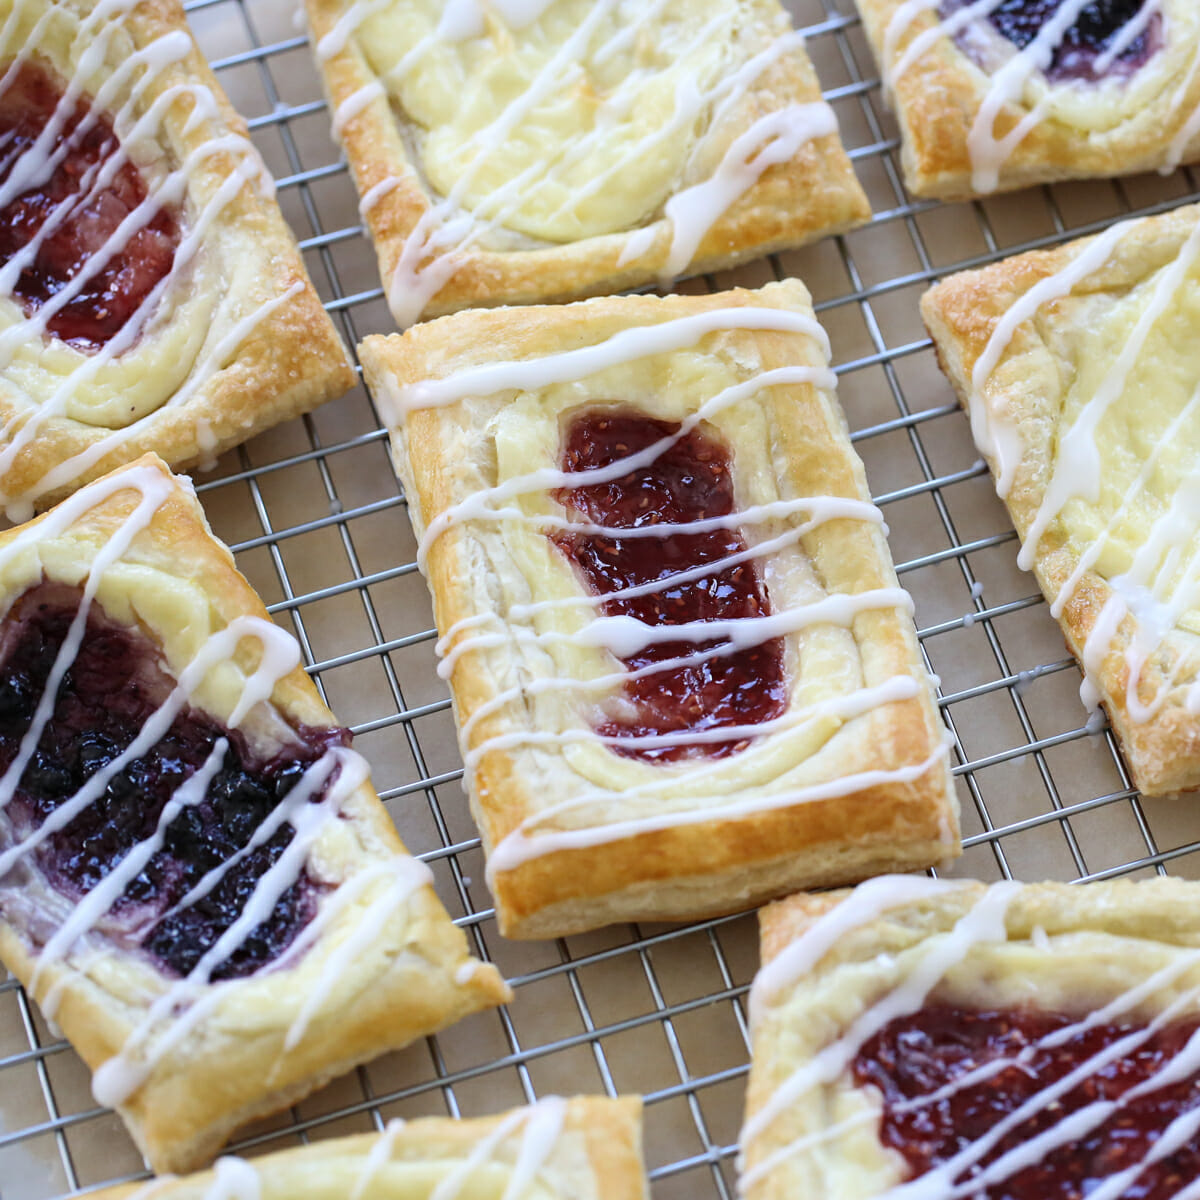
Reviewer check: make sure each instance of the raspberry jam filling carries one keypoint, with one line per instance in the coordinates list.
(113, 685)
(66, 174)
(688, 482)
(1092, 35)
(914, 1056)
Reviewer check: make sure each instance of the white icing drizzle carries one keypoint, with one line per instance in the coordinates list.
(842, 708)
(1162, 581)
(773, 139)
(480, 505)
(1116, 1010)
(234, 1179)
(626, 345)
(541, 1125)
(184, 1004)
(96, 904)
(355, 103)
(983, 923)
(868, 902)
(988, 152)
(379, 1155)
(623, 636)
(373, 195)
(120, 1076)
(410, 875)
(1127, 35)
(535, 1129)
(520, 847)
(433, 251)
(1007, 84)
(129, 82)
(993, 434)
(823, 508)
(1077, 468)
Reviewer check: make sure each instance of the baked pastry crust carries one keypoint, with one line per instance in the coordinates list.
(1089, 338)
(854, 778)
(585, 1148)
(828, 960)
(1041, 130)
(237, 341)
(209, 1058)
(722, 98)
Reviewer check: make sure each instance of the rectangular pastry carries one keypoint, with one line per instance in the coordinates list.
(512, 153)
(1079, 372)
(151, 296)
(197, 882)
(685, 676)
(1000, 94)
(585, 1148)
(947, 1039)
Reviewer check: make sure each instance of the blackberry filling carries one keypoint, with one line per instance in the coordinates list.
(113, 685)
(915, 1056)
(67, 172)
(1091, 35)
(690, 481)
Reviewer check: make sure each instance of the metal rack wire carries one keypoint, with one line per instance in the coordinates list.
(316, 520)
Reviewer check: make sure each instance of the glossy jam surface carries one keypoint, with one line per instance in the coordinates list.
(111, 688)
(915, 1056)
(67, 204)
(689, 481)
(1078, 55)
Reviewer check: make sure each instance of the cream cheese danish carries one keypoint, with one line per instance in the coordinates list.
(509, 153)
(151, 296)
(685, 675)
(197, 882)
(999, 94)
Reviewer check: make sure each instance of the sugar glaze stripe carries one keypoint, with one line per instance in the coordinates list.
(982, 924)
(132, 78)
(1076, 473)
(433, 251)
(185, 1003)
(987, 152)
(624, 636)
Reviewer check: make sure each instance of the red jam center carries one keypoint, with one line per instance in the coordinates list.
(917, 1055)
(83, 217)
(688, 482)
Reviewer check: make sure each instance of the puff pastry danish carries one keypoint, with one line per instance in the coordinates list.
(507, 153)
(1078, 368)
(197, 882)
(685, 676)
(998, 94)
(946, 1039)
(151, 296)
(585, 1148)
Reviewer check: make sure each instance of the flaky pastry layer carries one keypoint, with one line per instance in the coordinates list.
(585, 1148)
(236, 341)
(576, 148)
(1077, 369)
(385, 966)
(851, 779)
(969, 126)
(830, 960)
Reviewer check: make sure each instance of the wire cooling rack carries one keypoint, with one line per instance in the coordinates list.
(318, 525)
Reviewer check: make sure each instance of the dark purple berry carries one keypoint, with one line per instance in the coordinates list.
(1084, 41)
(111, 688)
